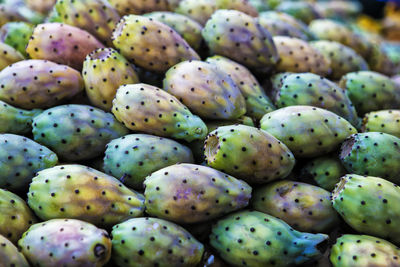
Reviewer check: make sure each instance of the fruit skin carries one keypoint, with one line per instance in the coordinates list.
(248, 153)
(16, 34)
(364, 251)
(126, 7)
(148, 109)
(79, 192)
(15, 218)
(307, 131)
(76, 132)
(104, 71)
(16, 120)
(369, 205)
(56, 242)
(10, 255)
(239, 5)
(151, 44)
(205, 89)
(199, 10)
(16, 10)
(303, 206)
(371, 91)
(133, 157)
(8, 55)
(372, 153)
(188, 193)
(150, 241)
(31, 84)
(41, 6)
(238, 36)
(253, 238)
(20, 159)
(303, 11)
(61, 43)
(257, 102)
(281, 28)
(385, 121)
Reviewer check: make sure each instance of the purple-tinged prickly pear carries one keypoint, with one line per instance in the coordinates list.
(8, 55)
(41, 6)
(16, 34)
(281, 28)
(199, 10)
(15, 120)
(127, 7)
(9, 254)
(385, 121)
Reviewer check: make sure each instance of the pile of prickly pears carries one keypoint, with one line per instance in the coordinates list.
(199, 133)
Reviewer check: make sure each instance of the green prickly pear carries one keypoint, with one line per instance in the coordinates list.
(16, 34)
(8, 55)
(127, 7)
(239, 5)
(9, 254)
(15, 120)
(199, 10)
(301, 10)
(281, 28)
(385, 121)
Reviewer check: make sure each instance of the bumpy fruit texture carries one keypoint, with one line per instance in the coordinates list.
(15, 120)
(253, 238)
(8, 55)
(372, 153)
(307, 131)
(61, 43)
(369, 205)
(83, 193)
(36, 83)
(257, 102)
(248, 153)
(301, 10)
(371, 91)
(154, 242)
(97, 17)
(240, 5)
(148, 109)
(364, 251)
(281, 28)
(314, 90)
(104, 71)
(151, 44)
(205, 89)
(187, 27)
(66, 242)
(127, 7)
(16, 34)
(20, 159)
(41, 6)
(199, 10)
(9, 254)
(240, 37)
(380, 61)
(303, 206)
(15, 217)
(343, 58)
(133, 157)
(76, 132)
(188, 193)
(385, 121)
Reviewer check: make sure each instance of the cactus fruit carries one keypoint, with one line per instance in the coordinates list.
(36, 83)
(239, 5)
(133, 157)
(188, 193)
(297, 55)
(199, 10)
(301, 10)
(385, 121)
(41, 6)
(151, 44)
(253, 238)
(127, 7)
(380, 61)
(240, 37)
(364, 251)
(61, 43)
(307, 131)
(303, 206)
(16, 10)
(104, 71)
(281, 28)
(146, 108)
(66, 242)
(20, 159)
(15, 120)
(372, 153)
(154, 242)
(79, 192)
(16, 34)
(371, 91)
(369, 205)
(205, 89)
(248, 153)
(8, 55)
(9, 254)
(76, 132)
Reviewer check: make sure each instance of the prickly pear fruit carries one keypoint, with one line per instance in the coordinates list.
(61, 43)
(79, 192)
(151, 44)
(385, 121)
(253, 238)
(133, 157)
(248, 153)
(16, 10)
(369, 205)
(364, 251)
(41, 6)
(205, 89)
(281, 28)
(127, 7)
(9, 254)
(8, 55)
(239, 5)
(380, 61)
(307, 131)
(15, 218)
(303, 206)
(38, 84)
(66, 242)
(240, 37)
(146, 108)
(76, 132)
(15, 120)
(199, 10)
(16, 34)
(301, 10)
(104, 70)
(371, 91)
(154, 242)
(188, 193)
